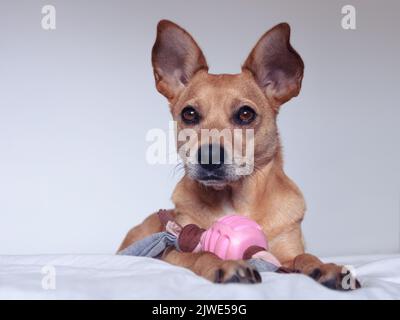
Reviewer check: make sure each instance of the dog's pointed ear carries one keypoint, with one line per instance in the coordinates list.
(176, 58)
(276, 66)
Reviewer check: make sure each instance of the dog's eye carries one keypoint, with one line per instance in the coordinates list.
(244, 115)
(189, 115)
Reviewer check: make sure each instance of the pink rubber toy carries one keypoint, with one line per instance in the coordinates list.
(230, 236)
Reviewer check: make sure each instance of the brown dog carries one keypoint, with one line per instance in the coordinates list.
(271, 75)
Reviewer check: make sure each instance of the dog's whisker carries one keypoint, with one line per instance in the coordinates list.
(178, 169)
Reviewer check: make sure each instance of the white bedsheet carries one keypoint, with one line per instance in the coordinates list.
(123, 277)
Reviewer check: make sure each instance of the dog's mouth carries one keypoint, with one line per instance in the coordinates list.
(213, 180)
(216, 184)
(211, 177)
(218, 178)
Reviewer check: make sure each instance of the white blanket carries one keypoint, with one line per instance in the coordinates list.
(123, 277)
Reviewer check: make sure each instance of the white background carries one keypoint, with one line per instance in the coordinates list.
(76, 103)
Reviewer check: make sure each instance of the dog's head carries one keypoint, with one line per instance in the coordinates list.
(223, 105)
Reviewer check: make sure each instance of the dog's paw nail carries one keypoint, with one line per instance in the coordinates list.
(315, 274)
(331, 284)
(219, 275)
(257, 276)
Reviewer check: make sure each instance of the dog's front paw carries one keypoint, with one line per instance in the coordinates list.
(231, 271)
(334, 277)
(330, 275)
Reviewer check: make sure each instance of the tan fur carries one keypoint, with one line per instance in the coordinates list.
(268, 196)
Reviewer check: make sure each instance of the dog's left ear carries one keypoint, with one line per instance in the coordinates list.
(276, 66)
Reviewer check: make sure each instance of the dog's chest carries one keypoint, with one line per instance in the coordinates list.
(228, 209)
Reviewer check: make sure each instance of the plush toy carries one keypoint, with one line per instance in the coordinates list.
(230, 237)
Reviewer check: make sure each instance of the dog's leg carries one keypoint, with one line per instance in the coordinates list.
(288, 248)
(209, 266)
(330, 275)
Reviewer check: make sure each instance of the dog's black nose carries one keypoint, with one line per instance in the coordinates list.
(210, 157)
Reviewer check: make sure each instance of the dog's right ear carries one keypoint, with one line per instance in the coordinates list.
(176, 58)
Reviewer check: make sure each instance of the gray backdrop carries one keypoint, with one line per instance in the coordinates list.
(76, 103)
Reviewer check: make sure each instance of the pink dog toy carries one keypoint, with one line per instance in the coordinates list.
(231, 237)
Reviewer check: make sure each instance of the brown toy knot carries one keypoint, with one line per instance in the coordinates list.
(189, 237)
(252, 250)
